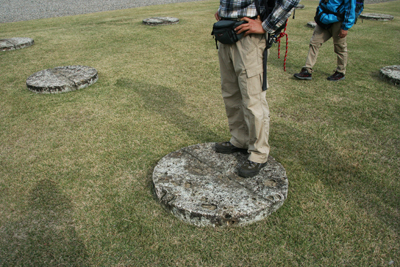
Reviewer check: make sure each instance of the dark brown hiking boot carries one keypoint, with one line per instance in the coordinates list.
(228, 148)
(250, 169)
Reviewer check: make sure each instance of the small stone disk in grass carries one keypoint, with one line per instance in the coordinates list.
(201, 187)
(375, 16)
(62, 79)
(391, 74)
(9, 44)
(160, 21)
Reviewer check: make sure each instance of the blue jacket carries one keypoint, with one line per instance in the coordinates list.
(344, 7)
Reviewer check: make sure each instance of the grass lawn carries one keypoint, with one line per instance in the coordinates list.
(75, 168)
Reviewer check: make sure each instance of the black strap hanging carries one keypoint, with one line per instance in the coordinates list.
(265, 53)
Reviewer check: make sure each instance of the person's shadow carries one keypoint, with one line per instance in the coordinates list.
(46, 235)
(169, 103)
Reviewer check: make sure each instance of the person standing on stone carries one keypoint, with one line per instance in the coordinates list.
(241, 67)
(334, 18)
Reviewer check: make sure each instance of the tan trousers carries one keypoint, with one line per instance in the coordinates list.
(245, 103)
(319, 37)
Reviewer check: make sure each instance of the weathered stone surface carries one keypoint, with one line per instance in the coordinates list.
(391, 74)
(312, 24)
(201, 187)
(375, 16)
(299, 6)
(15, 43)
(160, 21)
(62, 79)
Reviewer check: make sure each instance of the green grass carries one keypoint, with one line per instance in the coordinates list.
(75, 168)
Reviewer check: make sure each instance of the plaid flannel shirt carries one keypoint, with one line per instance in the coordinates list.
(234, 9)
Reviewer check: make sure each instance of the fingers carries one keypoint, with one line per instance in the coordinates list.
(217, 17)
(240, 29)
(342, 33)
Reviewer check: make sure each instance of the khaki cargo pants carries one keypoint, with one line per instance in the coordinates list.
(245, 103)
(319, 37)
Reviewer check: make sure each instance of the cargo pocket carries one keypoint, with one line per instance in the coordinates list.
(254, 80)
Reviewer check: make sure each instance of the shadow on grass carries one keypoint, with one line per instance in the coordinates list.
(46, 235)
(340, 174)
(169, 104)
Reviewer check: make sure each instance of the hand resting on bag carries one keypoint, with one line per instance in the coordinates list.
(252, 26)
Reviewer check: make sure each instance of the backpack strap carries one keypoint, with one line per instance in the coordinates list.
(258, 4)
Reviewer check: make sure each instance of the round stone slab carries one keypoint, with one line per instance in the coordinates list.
(160, 21)
(62, 79)
(15, 43)
(391, 74)
(202, 187)
(312, 24)
(375, 16)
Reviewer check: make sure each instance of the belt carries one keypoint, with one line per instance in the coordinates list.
(237, 19)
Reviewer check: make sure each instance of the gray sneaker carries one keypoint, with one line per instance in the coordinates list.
(250, 169)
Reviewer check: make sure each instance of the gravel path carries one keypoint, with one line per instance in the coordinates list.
(20, 10)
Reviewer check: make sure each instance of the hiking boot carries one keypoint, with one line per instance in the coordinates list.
(228, 148)
(250, 168)
(337, 76)
(303, 75)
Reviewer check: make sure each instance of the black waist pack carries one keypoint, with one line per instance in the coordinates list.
(326, 11)
(224, 31)
(317, 20)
